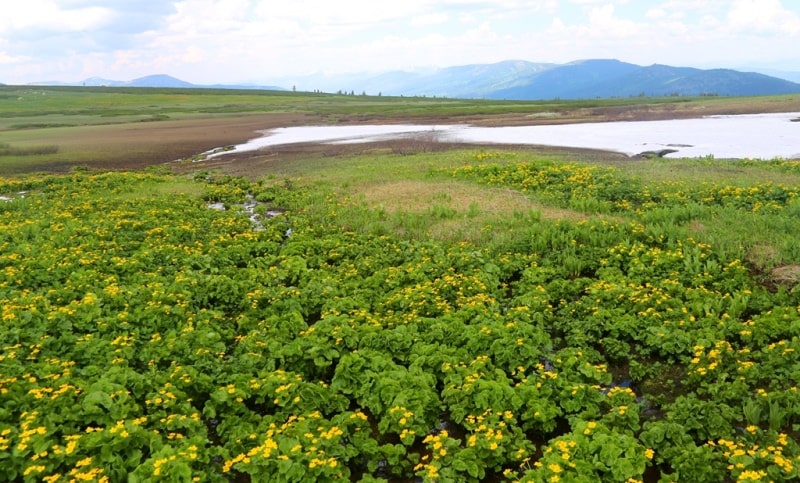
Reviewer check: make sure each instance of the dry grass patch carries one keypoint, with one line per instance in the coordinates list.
(697, 227)
(786, 275)
(421, 196)
(761, 255)
(454, 211)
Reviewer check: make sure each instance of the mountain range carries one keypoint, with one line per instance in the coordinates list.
(158, 80)
(518, 80)
(522, 80)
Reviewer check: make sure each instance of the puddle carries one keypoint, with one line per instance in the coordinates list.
(8, 199)
(756, 136)
(249, 207)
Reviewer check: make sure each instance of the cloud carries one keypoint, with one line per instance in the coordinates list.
(249, 40)
(430, 19)
(588, 2)
(51, 17)
(39, 17)
(356, 13)
(763, 16)
(603, 18)
(58, 28)
(6, 58)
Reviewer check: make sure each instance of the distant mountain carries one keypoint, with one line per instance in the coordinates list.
(100, 82)
(583, 79)
(158, 80)
(514, 80)
(664, 80)
(477, 80)
(780, 74)
(611, 78)
(563, 81)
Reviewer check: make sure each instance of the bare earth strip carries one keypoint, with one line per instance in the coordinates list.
(137, 145)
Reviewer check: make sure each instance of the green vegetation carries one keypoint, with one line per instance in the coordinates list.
(392, 315)
(464, 315)
(28, 107)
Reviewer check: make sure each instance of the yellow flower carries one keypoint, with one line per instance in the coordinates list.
(33, 469)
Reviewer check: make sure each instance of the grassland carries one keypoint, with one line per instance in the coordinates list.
(410, 312)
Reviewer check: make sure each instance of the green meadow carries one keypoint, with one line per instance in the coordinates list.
(414, 313)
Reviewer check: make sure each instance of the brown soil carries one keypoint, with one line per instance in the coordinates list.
(281, 159)
(137, 145)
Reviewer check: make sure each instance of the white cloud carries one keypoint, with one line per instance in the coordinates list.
(430, 19)
(763, 16)
(6, 58)
(557, 26)
(47, 15)
(209, 41)
(353, 13)
(694, 5)
(603, 18)
(588, 2)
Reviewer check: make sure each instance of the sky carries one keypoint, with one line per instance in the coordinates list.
(256, 41)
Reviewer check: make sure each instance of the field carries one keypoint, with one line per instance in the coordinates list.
(56, 128)
(388, 312)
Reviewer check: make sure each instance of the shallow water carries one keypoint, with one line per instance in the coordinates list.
(757, 136)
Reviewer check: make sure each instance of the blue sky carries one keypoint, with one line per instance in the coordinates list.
(226, 41)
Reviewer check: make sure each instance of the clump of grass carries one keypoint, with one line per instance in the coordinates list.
(425, 143)
(156, 117)
(8, 150)
(39, 125)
